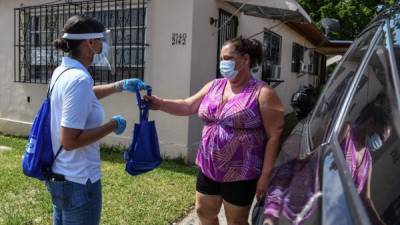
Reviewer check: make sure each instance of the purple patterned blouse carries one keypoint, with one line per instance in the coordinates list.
(359, 171)
(233, 138)
(294, 183)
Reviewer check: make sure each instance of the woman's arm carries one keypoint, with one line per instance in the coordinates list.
(271, 110)
(369, 205)
(75, 138)
(179, 107)
(104, 90)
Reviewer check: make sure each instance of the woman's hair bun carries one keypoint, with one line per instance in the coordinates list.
(61, 44)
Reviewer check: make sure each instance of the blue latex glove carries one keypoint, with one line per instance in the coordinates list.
(133, 85)
(121, 124)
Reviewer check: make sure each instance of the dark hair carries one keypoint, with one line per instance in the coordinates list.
(378, 111)
(252, 47)
(77, 24)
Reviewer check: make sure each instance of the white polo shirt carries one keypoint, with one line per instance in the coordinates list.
(74, 105)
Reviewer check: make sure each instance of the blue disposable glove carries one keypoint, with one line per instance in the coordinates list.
(121, 124)
(133, 85)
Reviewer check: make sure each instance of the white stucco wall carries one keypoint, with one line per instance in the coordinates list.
(167, 70)
(15, 111)
(174, 71)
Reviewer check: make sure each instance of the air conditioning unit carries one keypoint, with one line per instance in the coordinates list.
(303, 68)
(276, 71)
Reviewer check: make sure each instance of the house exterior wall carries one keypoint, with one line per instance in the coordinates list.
(15, 112)
(174, 71)
(249, 26)
(167, 69)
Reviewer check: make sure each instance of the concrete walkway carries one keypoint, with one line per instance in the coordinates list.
(191, 218)
(4, 148)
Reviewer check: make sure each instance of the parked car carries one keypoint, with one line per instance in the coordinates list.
(341, 164)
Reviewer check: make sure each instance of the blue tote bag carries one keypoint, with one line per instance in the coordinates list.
(143, 154)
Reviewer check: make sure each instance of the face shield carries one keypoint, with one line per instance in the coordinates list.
(102, 60)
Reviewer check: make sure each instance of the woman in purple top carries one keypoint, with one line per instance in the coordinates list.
(295, 183)
(243, 122)
(367, 134)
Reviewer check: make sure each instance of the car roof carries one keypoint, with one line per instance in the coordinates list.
(391, 13)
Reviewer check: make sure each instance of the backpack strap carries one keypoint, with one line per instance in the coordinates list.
(50, 90)
(58, 152)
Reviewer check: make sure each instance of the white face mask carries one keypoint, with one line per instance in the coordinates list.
(227, 69)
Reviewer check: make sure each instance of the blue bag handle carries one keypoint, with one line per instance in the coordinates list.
(143, 106)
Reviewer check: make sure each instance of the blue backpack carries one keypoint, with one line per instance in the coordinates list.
(39, 157)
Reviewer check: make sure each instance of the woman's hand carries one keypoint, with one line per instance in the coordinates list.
(120, 124)
(155, 103)
(131, 85)
(262, 185)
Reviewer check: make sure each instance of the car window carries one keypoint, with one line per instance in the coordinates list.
(333, 194)
(337, 87)
(369, 142)
(293, 191)
(395, 26)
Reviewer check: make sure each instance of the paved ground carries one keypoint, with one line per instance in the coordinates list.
(192, 219)
(4, 148)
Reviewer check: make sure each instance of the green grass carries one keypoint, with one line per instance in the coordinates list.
(159, 197)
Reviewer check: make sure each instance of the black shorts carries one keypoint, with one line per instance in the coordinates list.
(240, 193)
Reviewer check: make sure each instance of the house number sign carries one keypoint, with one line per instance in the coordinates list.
(179, 38)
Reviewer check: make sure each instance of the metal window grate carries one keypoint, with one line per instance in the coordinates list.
(271, 65)
(35, 28)
(297, 57)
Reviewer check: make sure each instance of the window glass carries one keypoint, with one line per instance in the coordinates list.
(271, 67)
(293, 192)
(333, 194)
(316, 63)
(370, 143)
(38, 26)
(395, 26)
(337, 87)
(297, 57)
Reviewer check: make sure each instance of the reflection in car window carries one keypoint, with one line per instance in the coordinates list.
(333, 193)
(369, 142)
(321, 119)
(293, 191)
(395, 26)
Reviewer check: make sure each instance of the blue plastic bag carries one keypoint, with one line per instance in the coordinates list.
(39, 156)
(143, 154)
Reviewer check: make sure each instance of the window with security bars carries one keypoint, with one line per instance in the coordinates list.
(37, 26)
(317, 63)
(271, 65)
(297, 58)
